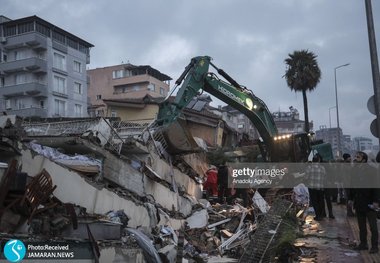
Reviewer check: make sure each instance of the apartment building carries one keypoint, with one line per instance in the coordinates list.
(289, 121)
(331, 136)
(42, 69)
(124, 81)
(362, 143)
(238, 121)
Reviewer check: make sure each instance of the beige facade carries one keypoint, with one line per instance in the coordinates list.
(125, 81)
(138, 113)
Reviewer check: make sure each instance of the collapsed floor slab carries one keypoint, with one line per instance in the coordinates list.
(73, 188)
(76, 189)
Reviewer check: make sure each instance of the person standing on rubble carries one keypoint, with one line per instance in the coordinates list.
(211, 183)
(223, 174)
(345, 173)
(329, 187)
(316, 174)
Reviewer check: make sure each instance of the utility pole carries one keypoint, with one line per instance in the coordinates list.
(337, 110)
(374, 62)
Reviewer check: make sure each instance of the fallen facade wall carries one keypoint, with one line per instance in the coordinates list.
(73, 188)
(121, 172)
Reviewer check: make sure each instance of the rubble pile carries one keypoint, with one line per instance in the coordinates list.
(62, 185)
(32, 208)
(218, 230)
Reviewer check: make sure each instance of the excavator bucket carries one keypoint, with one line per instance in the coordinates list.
(179, 138)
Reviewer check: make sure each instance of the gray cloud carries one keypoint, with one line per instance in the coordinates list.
(248, 38)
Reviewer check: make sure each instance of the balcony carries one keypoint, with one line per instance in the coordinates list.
(31, 40)
(33, 89)
(29, 112)
(34, 64)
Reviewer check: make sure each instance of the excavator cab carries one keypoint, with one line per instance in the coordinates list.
(291, 148)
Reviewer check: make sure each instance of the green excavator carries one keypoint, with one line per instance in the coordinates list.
(197, 77)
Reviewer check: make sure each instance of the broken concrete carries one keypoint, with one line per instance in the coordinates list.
(120, 254)
(198, 219)
(169, 253)
(159, 193)
(75, 189)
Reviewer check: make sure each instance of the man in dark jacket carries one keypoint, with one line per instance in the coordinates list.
(365, 200)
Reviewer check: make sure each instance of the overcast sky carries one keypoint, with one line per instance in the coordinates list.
(249, 39)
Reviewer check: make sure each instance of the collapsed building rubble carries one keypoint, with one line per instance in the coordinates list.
(115, 185)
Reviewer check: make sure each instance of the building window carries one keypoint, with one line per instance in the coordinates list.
(113, 114)
(72, 43)
(77, 88)
(10, 30)
(8, 104)
(78, 110)
(59, 37)
(83, 49)
(43, 29)
(136, 88)
(41, 54)
(4, 57)
(59, 61)
(116, 74)
(77, 67)
(20, 78)
(2, 81)
(59, 85)
(162, 91)
(59, 107)
(20, 54)
(151, 87)
(20, 104)
(42, 104)
(98, 97)
(128, 73)
(24, 28)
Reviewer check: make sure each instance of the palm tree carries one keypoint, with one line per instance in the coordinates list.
(302, 74)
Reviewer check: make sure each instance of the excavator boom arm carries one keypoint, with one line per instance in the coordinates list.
(196, 77)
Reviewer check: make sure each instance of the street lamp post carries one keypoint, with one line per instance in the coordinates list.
(337, 108)
(330, 115)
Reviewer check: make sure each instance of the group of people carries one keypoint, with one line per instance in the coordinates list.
(318, 193)
(361, 193)
(217, 188)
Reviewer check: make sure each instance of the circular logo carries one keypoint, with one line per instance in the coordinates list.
(14, 250)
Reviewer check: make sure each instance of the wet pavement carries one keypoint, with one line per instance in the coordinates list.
(332, 240)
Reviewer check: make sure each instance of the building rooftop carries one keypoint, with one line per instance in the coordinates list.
(53, 28)
(138, 70)
(147, 99)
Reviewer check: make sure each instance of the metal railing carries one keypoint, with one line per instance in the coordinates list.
(74, 127)
(114, 133)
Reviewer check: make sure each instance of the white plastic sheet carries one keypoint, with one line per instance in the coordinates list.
(301, 194)
(56, 156)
